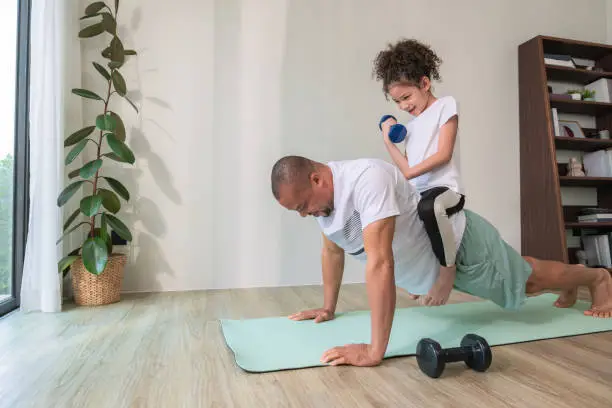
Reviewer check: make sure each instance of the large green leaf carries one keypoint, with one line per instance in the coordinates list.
(79, 135)
(90, 168)
(106, 53)
(95, 255)
(117, 51)
(92, 30)
(87, 17)
(70, 230)
(86, 94)
(110, 200)
(119, 126)
(102, 71)
(102, 232)
(114, 157)
(74, 173)
(105, 122)
(118, 187)
(68, 192)
(119, 83)
(120, 149)
(119, 227)
(73, 154)
(130, 52)
(116, 6)
(94, 8)
(109, 23)
(65, 262)
(90, 205)
(115, 64)
(71, 218)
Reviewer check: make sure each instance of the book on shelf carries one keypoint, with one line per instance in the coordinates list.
(598, 250)
(559, 60)
(595, 218)
(564, 60)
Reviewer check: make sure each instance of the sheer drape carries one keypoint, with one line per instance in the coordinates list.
(55, 69)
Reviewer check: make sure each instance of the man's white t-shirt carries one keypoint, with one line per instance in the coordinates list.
(368, 190)
(422, 137)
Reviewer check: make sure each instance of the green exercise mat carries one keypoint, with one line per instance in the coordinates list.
(278, 343)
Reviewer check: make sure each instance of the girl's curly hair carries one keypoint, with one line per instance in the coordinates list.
(406, 61)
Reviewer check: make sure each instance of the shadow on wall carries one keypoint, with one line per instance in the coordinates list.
(146, 258)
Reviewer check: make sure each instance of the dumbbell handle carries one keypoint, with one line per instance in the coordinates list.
(454, 354)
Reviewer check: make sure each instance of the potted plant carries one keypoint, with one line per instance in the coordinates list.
(97, 271)
(576, 94)
(588, 95)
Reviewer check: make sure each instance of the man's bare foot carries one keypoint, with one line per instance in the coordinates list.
(567, 298)
(601, 293)
(413, 297)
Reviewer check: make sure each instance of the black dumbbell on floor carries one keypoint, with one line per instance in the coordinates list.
(474, 351)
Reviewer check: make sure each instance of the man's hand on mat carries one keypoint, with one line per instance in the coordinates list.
(319, 315)
(351, 354)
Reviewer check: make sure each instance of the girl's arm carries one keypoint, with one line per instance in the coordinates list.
(446, 145)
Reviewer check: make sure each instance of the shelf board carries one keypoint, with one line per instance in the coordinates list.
(580, 107)
(582, 144)
(575, 48)
(579, 224)
(567, 74)
(583, 181)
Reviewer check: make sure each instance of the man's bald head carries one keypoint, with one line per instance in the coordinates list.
(291, 171)
(303, 185)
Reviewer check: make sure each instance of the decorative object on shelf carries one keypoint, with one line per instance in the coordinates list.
(603, 89)
(576, 94)
(581, 257)
(571, 128)
(588, 95)
(574, 168)
(604, 134)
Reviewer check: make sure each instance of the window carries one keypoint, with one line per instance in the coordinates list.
(14, 40)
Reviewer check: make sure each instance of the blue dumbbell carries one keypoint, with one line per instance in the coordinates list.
(397, 133)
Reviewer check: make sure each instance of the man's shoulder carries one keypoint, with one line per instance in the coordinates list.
(354, 168)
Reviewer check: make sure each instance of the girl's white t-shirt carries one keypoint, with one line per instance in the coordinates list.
(422, 138)
(368, 190)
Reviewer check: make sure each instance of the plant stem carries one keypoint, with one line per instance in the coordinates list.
(95, 182)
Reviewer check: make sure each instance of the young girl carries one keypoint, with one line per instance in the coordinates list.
(406, 70)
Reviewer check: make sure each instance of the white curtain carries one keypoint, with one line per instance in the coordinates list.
(54, 70)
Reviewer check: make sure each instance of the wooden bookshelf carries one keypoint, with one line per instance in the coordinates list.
(544, 217)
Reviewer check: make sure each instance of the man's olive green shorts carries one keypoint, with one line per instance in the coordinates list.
(488, 267)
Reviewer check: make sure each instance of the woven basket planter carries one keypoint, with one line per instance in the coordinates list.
(94, 290)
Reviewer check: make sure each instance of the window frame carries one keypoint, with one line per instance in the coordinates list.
(21, 167)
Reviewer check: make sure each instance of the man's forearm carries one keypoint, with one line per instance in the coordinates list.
(333, 268)
(381, 294)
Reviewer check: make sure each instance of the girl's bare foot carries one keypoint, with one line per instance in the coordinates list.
(601, 293)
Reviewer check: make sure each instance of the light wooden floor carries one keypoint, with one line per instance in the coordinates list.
(166, 350)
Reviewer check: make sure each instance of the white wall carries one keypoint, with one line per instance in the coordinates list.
(226, 87)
